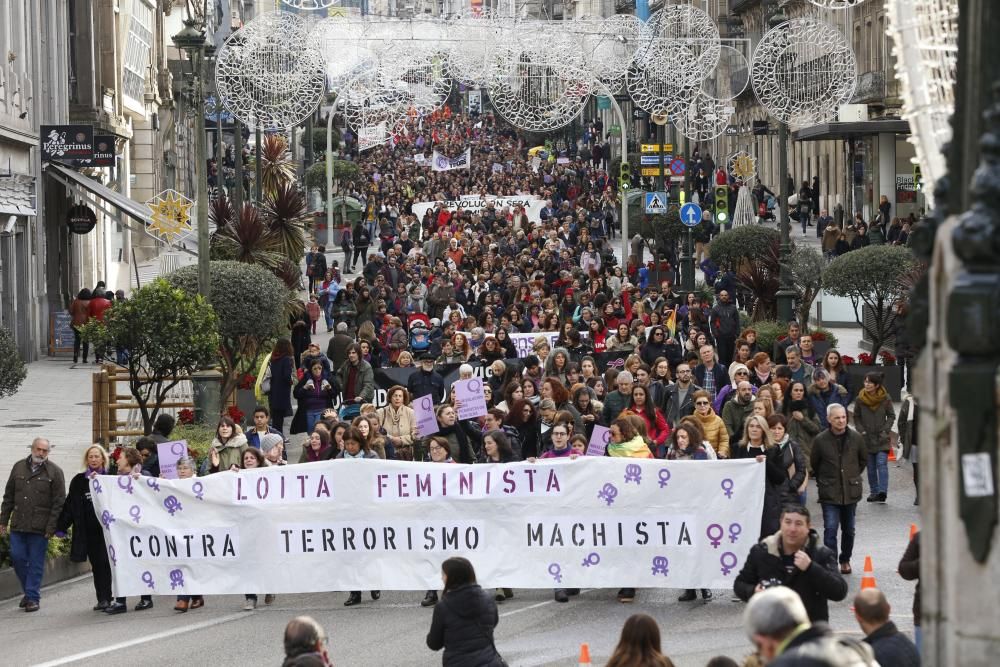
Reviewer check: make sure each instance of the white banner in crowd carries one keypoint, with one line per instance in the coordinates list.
(444, 163)
(524, 342)
(475, 204)
(388, 525)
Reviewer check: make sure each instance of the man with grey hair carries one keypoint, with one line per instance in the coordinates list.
(618, 400)
(801, 371)
(305, 643)
(838, 458)
(776, 622)
(32, 502)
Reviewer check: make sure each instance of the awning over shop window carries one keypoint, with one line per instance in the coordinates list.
(852, 130)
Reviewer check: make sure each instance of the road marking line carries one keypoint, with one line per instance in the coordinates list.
(536, 605)
(144, 640)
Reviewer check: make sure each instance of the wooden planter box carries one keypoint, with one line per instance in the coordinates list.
(893, 379)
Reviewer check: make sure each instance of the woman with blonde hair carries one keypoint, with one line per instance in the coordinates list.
(88, 537)
(711, 424)
(758, 443)
(399, 422)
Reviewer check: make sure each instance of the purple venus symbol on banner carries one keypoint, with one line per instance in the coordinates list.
(664, 476)
(135, 513)
(593, 559)
(714, 533)
(96, 485)
(147, 578)
(172, 504)
(734, 532)
(152, 483)
(728, 560)
(107, 518)
(111, 554)
(608, 493)
(199, 490)
(727, 487)
(633, 473)
(176, 579)
(556, 572)
(127, 487)
(660, 565)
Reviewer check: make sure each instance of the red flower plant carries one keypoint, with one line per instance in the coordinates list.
(186, 416)
(847, 360)
(888, 358)
(247, 381)
(866, 359)
(818, 335)
(235, 414)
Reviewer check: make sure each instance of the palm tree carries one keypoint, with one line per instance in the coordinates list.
(276, 164)
(245, 237)
(285, 213)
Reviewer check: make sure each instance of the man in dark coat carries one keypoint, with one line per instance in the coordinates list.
(794, 557)
(32, 502)
(838, 458)
(336, 349)
(892, 648)
(426, 381)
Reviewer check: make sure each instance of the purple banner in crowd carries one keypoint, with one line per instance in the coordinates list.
(599, 439)
(426, 421)
(471, 398)
(168, 454)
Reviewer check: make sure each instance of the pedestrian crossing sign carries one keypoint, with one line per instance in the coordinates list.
(656, 202)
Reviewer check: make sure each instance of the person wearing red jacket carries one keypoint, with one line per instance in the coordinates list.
(99, 304)
(657, 429)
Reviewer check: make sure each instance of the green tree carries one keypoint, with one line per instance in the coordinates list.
(12, 368)
(871, 278)
(250, 304)
(168, 333)
(807, 278)
(344, 171)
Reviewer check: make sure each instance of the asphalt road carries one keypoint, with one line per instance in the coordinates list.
(533, 629)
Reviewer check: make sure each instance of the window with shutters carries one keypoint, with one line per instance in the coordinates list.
(136, 56)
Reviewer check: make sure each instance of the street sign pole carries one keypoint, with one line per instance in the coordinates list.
(661, 136)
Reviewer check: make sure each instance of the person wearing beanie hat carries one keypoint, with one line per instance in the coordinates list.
(272, 446)
(737, 373)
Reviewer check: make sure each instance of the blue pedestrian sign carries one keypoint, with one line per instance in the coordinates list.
(691, 214)
(656, 203)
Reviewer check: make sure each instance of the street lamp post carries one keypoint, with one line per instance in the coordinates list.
(191, 40)
(786, 292)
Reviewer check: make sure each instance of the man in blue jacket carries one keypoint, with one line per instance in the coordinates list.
(823, 392)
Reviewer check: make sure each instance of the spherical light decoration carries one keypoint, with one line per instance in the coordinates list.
(344, 50)
(474, 39)
(704, 118)
(659, 82)
(730, 78)
(803, 70)
(266, 74)
(539, 95)
(610, 50)
(418, 78)
(692, 27)
(311, 5)
(836, 4)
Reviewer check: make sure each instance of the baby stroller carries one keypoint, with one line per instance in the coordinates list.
(420, 336)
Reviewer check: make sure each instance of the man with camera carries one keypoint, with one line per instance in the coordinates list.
(794, 557)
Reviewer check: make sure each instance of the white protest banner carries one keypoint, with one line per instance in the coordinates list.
(536, 162)
(524, 342)
(471, 398)
(651, 523)
(475, 102)
(444, 163)
(372, 136)
(420, 159)
(426, 420)
(476, 204)
(599, 440)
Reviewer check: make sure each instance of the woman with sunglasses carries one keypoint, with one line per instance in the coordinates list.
(712, 426)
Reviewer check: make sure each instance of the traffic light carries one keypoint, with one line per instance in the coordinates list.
(683, 196)
(624, 176)
(721, 205)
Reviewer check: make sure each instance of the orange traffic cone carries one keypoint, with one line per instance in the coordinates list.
(868, 576)
(892, 453)
(913, 530)
(585, 655)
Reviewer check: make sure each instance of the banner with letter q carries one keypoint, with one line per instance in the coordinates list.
(388, 525)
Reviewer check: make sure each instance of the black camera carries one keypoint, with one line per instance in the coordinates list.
(770, 583)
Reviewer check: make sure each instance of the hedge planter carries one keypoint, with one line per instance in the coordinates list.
(57, 569)
(893, 379)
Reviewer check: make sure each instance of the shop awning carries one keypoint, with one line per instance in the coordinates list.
(74, 180)
(851, 130)
(113, 203)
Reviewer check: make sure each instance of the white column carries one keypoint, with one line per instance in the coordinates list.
(887, 168)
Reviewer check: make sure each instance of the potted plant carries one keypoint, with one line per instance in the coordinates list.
(866, 362)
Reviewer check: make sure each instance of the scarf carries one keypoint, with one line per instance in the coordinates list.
(872, 399)
(800, 405)
(359, 455)
(463, 442)
(312, 455)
